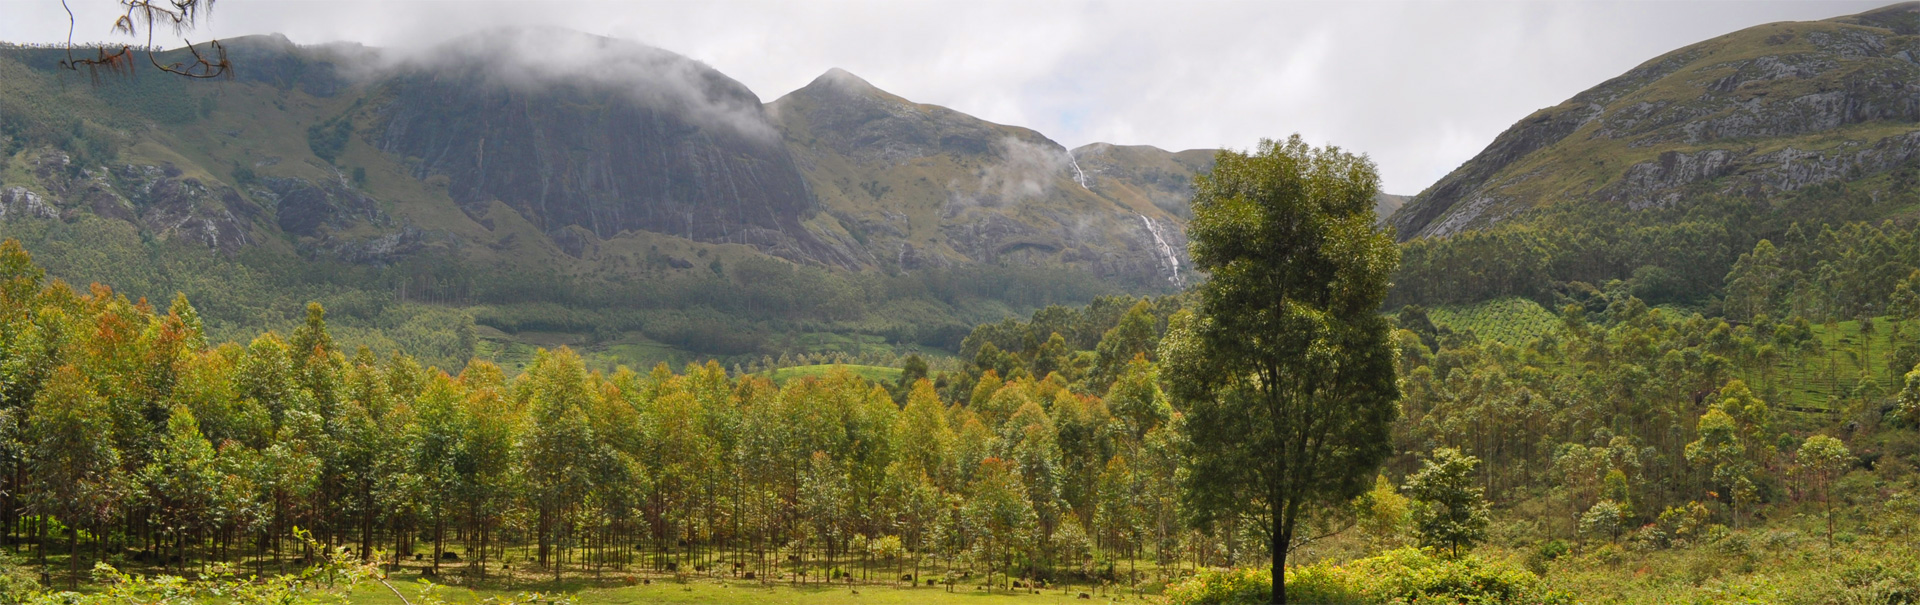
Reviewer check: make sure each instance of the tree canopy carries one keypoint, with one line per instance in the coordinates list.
(1283, 371)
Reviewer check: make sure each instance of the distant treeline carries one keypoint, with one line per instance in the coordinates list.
(732, 312)
(129, 436)
(1675, 254)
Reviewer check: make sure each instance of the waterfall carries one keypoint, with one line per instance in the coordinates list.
(1079, 176)
(1166, 251)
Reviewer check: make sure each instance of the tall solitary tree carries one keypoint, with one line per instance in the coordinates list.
(1284, 371)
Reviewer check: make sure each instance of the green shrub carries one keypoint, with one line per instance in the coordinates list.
(1548, 552)
(1223, 587)
(1323, 584)
(1782, 539)
(1404, 576)
(1414, 576)
(17, 583)
(1609, 554)
(329, 139)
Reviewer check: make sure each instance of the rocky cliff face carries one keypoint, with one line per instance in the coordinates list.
(1759, 112)
(649, 141)
(164, 201)
(925, 186)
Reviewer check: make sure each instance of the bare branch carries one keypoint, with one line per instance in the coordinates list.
(180, 15)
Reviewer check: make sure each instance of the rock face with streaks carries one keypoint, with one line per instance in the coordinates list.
(922, 186)
(1764, 111)
(646, 140)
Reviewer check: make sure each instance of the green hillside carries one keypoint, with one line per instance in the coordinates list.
(299, 181)
(1662, 177)
(1766, 111)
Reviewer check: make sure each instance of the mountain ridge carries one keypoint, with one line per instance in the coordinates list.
(685, 208)
(1770, 109)
(437, 116)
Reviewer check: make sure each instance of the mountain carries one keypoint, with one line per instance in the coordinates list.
(652, 196)
(644, 140)
(1384, 204)
(1761, 113)
(925, 186)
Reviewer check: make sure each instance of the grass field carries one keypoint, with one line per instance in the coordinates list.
(721, 592)
(873, 373)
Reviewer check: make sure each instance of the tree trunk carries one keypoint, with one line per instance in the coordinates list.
(73, 556)
(1826, 501)
(1282, 538)
(439, 530)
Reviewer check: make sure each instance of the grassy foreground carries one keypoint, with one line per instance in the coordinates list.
(722, 592)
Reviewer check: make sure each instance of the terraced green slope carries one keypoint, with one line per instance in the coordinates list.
(1513, 321)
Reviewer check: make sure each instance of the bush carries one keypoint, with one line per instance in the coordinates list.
(1323, 584)
(329, 139)
(17, 583)
(1414, 576)
(1782, 539)
(1402, 576)
(1683, 526)
(1223, 587)
(1735, 543)
(1548, 552)
(1609, 554)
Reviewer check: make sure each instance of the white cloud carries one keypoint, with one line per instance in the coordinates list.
(1419, 85)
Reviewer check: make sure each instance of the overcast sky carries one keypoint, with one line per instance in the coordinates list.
(1419, 86)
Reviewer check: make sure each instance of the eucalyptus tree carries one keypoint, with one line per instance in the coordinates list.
(558, 447)
(1823, 459)
(76, 472)
(1117, 523)
(1082, 431)
(487, 464)
(434, 448)
(825, 500)
(182, 482)
(1721, 449)
(1135, 336)
(999, 512)
(923, 440)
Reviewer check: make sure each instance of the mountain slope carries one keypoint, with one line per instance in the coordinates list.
(926, 186)
(644, 196)
(1764, 111)
(645, 141)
